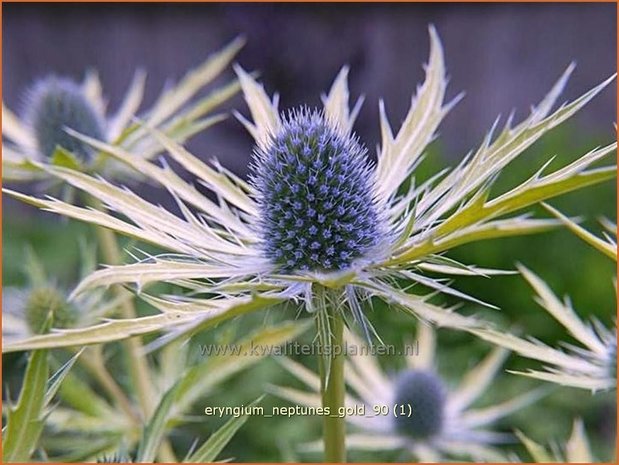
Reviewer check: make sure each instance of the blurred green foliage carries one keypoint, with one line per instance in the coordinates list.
(568, 265)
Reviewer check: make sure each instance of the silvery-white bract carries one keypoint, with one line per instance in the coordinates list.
(225, 253)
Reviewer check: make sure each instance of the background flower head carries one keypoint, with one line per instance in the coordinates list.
(59, 103)
(57, 108)
(444, 424)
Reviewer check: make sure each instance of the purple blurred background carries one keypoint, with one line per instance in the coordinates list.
(504, 56)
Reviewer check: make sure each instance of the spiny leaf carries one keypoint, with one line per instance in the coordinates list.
(130, 104)
(474, 217)
(489, 161)
(77, 394)
(200, 379)
(13, 128)
(524, 196)
(400, 154)
(418, 307)
(538, 453)
(194, 80)
(24, 422)
(607, 248)
(187, 317)
(54, 382)
(263, 109)
(577, 448)
(155, 429)
(209, 451)
(64, 158)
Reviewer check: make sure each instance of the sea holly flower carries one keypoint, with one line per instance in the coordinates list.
(444, 423)
(97, 403)
(54, 106)
(593, 364)
(43, 305)
(316, 199)
(318, 223)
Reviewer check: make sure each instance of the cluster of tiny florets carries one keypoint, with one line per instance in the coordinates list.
(316, 196)
(425, 392)
(55, 104)
(47, 304)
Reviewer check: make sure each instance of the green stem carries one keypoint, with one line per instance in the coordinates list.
(138, 364)
(332, 388)
(93, 362)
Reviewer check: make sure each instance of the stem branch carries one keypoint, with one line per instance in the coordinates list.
(138, 365)
(93, 362)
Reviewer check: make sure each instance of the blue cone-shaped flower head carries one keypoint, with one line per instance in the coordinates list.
(316, 196)
(56, 104)
(426, 394)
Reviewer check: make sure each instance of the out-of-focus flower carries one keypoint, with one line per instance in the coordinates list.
(55, 106)
(42, 302)
(443, 425)
(106, 413)
(575, 450)
(592, 366)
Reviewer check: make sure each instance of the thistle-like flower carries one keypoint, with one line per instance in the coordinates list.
(317, 223)
(315, 197)
(55, 107)
(592, 366)
(45, 301)
(443, 424)
(43, 304)
(56, 104)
